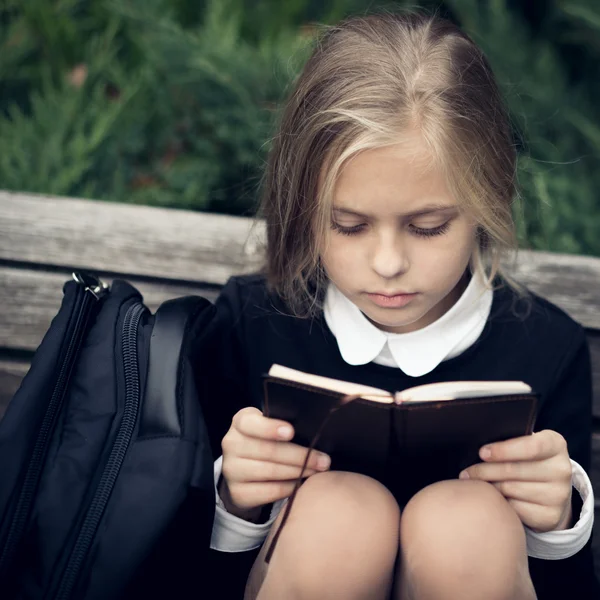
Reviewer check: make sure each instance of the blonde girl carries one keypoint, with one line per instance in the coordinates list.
(387, 200)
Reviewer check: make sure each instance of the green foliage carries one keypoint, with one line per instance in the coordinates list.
(173, 102)
(558, 122)
(140, 108)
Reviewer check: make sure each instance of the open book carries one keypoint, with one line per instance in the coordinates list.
(406, 439)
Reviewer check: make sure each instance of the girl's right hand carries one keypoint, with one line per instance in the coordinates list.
(260, 464)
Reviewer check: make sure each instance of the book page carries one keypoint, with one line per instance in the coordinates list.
(328, 383)
(452, 390)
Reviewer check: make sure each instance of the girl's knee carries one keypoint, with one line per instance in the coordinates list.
(339, 514)
(466, 528)
(349, 493)
(352, 505)
(470, 510)
(340, 541)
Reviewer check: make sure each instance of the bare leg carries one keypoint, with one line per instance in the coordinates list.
(461, 540)
(340, 541)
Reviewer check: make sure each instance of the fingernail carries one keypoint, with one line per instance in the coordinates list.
(463, 475)
(323, 461)
(284, 432)
(485, 452)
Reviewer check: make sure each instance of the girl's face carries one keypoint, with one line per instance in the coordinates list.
(398, 247)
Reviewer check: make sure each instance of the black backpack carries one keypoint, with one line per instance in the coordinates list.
(106, 472)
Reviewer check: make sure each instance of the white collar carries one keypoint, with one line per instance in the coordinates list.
(417, 352)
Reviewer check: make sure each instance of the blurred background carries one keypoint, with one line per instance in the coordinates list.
(173, 102)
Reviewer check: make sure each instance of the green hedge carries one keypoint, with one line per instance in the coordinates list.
(173, 103)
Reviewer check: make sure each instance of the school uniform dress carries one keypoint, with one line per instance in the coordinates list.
(486, 335)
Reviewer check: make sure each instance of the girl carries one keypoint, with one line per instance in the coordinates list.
(388, 204)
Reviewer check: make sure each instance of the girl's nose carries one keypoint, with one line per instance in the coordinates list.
(390, 259)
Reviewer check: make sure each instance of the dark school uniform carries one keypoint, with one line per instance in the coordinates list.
(535, 342)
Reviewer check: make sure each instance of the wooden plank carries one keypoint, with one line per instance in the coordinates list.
(125, 238)
(209, 248)
(30, 299)
(571, 282)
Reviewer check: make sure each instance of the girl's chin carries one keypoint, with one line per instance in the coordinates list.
(395, 325)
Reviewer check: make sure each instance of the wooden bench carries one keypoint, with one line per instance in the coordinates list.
(168, 253)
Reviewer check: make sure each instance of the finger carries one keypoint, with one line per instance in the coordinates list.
(248, 470)
(537, 517)
(543, 470)
(534, 492)
(252, 423)
(537, 446)
(285, 453)
(250, 495)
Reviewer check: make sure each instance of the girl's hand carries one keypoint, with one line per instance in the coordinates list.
(534, 474)
(260, 464)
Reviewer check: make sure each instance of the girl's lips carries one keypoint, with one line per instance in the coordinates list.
(397, 301)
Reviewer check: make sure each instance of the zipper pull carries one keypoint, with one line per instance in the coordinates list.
(92, 284)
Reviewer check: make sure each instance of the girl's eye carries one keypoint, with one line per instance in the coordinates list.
(418, 231)
(347, 230)
(430, 232)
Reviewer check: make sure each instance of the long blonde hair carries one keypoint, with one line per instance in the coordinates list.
(370, 79)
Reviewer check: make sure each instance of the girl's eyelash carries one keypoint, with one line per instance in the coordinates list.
(419, 231)
(422, 232)
(346, 230)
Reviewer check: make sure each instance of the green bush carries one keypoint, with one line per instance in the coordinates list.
(556, 119)
(148, 111)
(173, 102)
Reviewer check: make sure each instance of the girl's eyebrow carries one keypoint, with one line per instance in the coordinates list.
(426, 210)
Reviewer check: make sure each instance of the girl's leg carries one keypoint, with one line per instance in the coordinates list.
(461, 539)
(340, 541)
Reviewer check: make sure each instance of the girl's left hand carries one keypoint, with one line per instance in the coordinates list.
(534, 474)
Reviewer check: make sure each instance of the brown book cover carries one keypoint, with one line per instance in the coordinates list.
(406, 440)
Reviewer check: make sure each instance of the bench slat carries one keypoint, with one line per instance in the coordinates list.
(571, 282)
(209, 248)
(30, 299)
(124, 238)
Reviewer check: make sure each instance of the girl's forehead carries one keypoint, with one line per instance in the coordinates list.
(410, 148)
(387, 160)
(392, 179)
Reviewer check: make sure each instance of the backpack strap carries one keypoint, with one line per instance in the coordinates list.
(174, 318)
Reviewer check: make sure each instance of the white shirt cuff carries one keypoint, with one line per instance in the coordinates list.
(556, 545)
(232, 534)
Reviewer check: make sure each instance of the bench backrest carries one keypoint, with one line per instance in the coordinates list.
(169, 253)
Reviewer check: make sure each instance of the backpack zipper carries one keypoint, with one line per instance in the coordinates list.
(111, 470)
(89, 292)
